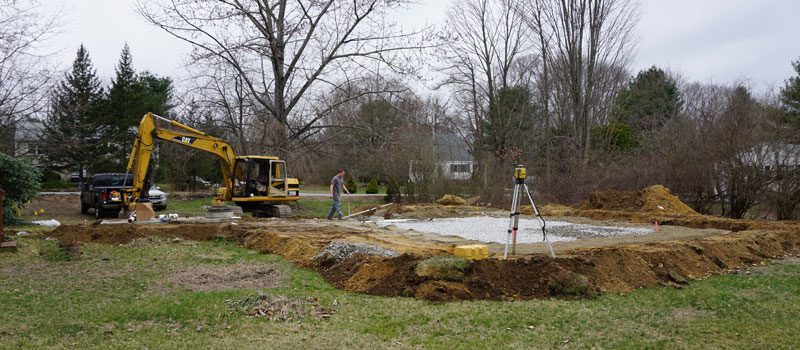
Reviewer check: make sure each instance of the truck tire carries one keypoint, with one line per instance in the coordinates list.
(84, 207)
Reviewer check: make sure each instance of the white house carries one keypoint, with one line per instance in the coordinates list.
(453, 160)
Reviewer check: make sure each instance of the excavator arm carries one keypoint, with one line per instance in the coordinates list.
(150, 131)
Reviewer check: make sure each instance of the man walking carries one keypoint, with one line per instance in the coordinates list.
(337, 184)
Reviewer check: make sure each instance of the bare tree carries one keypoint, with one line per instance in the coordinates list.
(585, 46)
(24, 73)
(481, 52)
(283, 50)
(219, 92)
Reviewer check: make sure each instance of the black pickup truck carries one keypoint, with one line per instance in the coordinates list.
(103, 193)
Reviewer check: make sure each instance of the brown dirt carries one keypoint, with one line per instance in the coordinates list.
(52, 205)
(124, 234)
(226, 277)
(653, 199)
(450, 199)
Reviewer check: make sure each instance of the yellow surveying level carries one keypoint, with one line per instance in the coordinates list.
(520, 173)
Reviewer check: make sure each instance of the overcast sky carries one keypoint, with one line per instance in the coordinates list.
(705, 40)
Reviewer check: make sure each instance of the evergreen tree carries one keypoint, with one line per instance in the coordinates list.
(123, 97)
(648, 101)
(508, 121)
(155, 94)
(75, 129)
(130, 96)
(124, 107)
(790, 94)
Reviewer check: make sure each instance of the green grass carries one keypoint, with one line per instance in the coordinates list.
(109, 298)
(306, 207)
(319, 207)
(188, 207)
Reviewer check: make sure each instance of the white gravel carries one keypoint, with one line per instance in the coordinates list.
(489, 229)
(344, 250)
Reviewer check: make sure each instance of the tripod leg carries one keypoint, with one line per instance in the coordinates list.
(511, 226)
(541, 220)
(516, 222)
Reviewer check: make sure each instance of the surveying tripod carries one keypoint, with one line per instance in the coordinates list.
(513, 225)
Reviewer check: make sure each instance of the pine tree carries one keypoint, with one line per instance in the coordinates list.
(123, 107)
(648, 101)
(790, 95)
(123, 96)
(75, 128)
(155, 93)
(130, 96)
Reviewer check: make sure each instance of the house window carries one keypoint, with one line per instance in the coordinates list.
(460, 168)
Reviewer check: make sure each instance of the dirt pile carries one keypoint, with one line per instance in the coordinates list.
(124, 234)
(580, 273)
(450, 199)
(653, 199)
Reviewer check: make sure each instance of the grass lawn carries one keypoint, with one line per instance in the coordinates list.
(316, 207)
(122, 297)
(67, 211)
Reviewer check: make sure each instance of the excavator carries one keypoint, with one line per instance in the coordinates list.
(258, 184)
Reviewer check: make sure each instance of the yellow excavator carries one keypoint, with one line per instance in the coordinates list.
(258, 184)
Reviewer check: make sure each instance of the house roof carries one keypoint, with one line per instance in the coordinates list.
(451, 147)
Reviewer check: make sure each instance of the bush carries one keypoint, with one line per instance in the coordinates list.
(57, 185)
(372, 187)
(392, 192)
(50, 176)
(449, 268)
(20, 180)
(350, 184)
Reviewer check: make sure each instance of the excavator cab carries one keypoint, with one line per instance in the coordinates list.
(261, 178)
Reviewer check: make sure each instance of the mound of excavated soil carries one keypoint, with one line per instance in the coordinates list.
(653, 199)
(124, 234)
(450, 199)
(580, 273)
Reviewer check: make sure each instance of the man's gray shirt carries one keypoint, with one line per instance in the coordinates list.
(337, 183)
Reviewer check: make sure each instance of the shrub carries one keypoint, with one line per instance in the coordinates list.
(53, 185)
(20, 180)
(411, 191)
(351, 184)
(372, 187)
(392, 192)
(449, 268)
